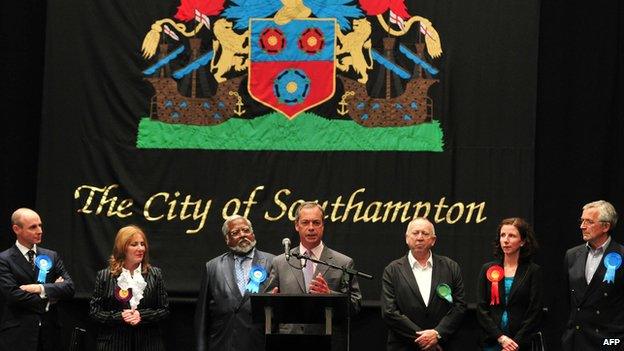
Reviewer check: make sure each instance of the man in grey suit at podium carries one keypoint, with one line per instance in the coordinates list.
(223, 312)
(295, 276)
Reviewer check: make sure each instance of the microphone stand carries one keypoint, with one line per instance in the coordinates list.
(350, 273)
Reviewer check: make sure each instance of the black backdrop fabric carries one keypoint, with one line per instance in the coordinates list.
(578, 131)
(93, 178)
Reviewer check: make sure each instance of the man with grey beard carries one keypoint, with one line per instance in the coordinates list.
(223, 312)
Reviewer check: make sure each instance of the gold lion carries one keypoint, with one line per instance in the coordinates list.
(234, 50)
(352, 47)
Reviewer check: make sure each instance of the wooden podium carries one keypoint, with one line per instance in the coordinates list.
(301, 310)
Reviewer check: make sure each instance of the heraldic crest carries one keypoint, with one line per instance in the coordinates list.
(242, 57)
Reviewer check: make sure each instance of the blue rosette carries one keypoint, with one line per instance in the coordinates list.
(44, 263)
(612, 261)
(257, 275)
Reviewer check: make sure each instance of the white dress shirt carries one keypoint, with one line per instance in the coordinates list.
(594, 257)
(422, 275)
(316, 254)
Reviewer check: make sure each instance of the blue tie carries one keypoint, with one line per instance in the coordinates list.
(241, 280)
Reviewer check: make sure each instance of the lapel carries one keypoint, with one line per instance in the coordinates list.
(21, 262)
(230, 274)
(327, 255)
(256, 261)
(578, 271)
(408, 276)
(295, 268)
(598, 277)
(521, 274)
(435, 277)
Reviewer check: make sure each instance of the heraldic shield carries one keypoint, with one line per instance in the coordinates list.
(292, 65)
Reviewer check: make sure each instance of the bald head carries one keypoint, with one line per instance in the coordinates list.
(27, 227)
(421, 221)
(20, 213)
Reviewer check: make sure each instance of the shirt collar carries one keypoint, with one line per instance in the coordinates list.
(23, 249)
(600, 248)
(136, 271)
(316, 252)
(412, 260)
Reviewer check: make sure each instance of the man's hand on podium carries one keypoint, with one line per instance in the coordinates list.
(318, 285)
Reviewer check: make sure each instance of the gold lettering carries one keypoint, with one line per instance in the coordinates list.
(172, 204)
(350, 206)
(439, 206)
(335, 206)
(250, 201)
(471, 207)
(449, 215)
(376, 205)
(280, 204)
(396, 206)
(293, 209)
(196, 215)
(148, 205)
(226, 209)
(92, 191)
(418, 206)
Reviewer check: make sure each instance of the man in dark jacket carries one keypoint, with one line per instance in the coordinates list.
(32, 279)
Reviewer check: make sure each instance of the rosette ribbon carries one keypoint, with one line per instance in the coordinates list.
(123, 295)
(257, 275)
(612, 261)
(44, 263)
(444, 291)
(495, 274)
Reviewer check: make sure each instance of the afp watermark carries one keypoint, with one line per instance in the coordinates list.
(611, 342)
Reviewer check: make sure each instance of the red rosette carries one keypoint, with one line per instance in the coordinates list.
(311, 41)
(495, 274)
(123, 295)
(272, 40)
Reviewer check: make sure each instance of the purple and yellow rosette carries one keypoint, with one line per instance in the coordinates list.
(612, 262)
(123, 295)
(444, 291)
(44, 263)
(495, 274)
(257, 275)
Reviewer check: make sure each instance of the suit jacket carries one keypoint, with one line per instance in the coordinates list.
(597, 309)
(25, 313)
(524, 305)
(403, 308)
(223, 315)
(105, 309)
(288, 275)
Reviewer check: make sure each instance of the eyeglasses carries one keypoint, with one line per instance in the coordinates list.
(315, 223)
(240, 231)
(589, 222)
(424, 234)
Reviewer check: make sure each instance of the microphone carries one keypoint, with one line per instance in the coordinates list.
(286, 243)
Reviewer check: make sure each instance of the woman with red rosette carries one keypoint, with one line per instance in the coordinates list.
(129, 297)
(509, 303)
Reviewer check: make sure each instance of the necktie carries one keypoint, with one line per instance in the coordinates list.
(308, 271)
(241, 280)
(31, 258)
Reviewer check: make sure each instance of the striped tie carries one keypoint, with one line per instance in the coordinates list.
(31, 258)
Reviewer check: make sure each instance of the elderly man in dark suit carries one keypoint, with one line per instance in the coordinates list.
(422, 296)
(595, 284)
(223, 313)
(32, 279)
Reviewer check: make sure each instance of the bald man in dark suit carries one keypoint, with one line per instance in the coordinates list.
(29, 319)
